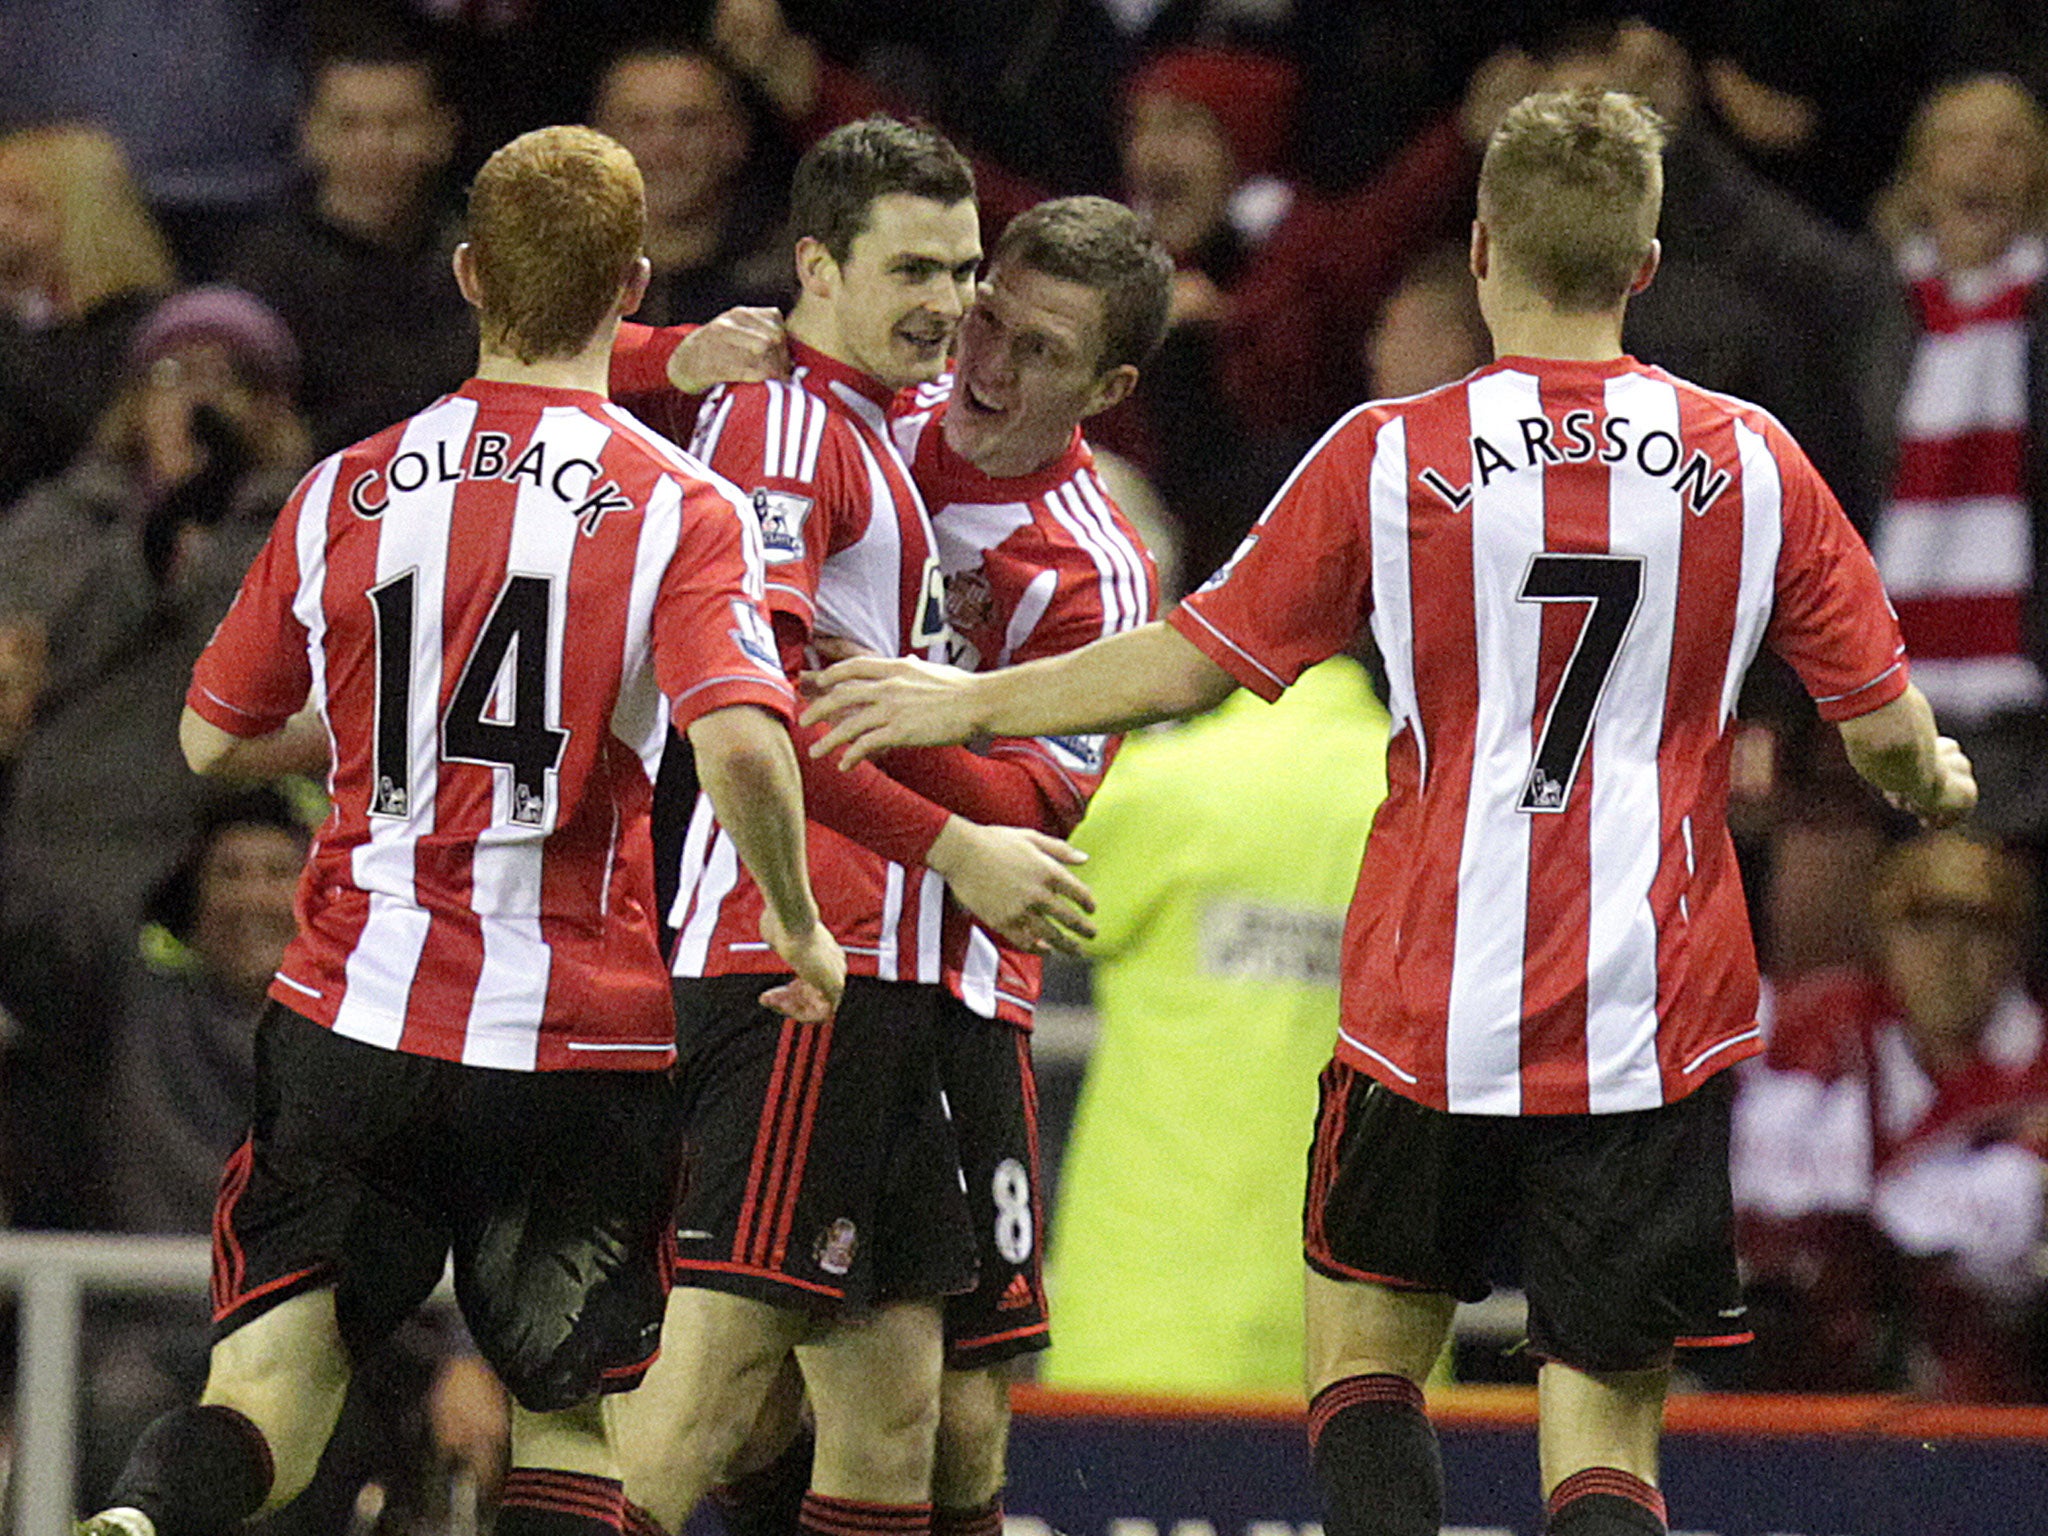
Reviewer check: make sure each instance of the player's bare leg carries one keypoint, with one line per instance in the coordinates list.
(679, 1430)
(274, 1389)
(1596, 1443)
(1369, 1349)
(973, 1451)
(874, 1389)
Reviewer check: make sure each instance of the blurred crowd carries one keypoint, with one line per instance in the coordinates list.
(224, 238)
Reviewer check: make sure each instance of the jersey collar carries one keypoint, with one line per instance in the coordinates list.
(504, 392)
(820, 372)
(965, 482)
(1562, 368)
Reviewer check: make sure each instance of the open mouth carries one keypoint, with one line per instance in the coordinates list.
(926, 338)
(978, 403)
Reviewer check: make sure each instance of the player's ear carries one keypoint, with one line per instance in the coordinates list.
(1648, 269)
(1112, 388)
(634, 288)
(817, 272)
(464, 263)
(1480, 253)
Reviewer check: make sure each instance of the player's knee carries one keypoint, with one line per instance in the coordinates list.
(973, 1439)
(885, 1443)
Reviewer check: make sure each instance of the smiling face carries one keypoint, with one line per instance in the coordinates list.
(1029, 369)
(1981, 163)
(678, 116)
(892, 308)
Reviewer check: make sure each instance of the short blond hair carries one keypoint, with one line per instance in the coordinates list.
(108, 244)
(1570, 191)
(556, 221)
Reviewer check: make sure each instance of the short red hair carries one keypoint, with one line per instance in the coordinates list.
(556, 221)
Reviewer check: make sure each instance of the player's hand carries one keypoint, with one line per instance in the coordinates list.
(831, 648)
(1018, 882)
(812, 996)
(755, 38)
(1954, 794)
(741, 346)
(876, 704)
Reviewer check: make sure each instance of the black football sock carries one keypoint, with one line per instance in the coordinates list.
(981, 1520)
(824, 1515)
(198, 1471)
(1604, 1501)
(539, 1501)
(768, 1501)
(1376, 1457)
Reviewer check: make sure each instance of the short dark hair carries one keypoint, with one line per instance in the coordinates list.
(370, 45)
(840, 176)
(1101, 245)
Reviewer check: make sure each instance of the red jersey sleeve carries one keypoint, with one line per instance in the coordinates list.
(639, 379)
(801, 475)
(1300, 584)
(1831, 619)
(255, 673)
(713, 643)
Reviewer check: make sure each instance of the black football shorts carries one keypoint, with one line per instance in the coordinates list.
(1626, 1222)
(365, 1168)
(820, 1167)
(985, 1065)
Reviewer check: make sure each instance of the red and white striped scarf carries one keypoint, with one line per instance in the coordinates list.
(1954, 544)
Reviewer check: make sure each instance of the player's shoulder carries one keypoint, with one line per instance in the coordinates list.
(1716, 406)
(773, 427)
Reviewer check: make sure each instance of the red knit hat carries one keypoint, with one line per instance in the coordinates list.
(1251, 96)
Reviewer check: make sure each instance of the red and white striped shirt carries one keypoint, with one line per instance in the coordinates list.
(1956, 543)
(499, 606)
(1568, 568)
(1035, 565)
(849, 554)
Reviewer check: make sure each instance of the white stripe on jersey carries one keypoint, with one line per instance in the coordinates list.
(931, 914)
(505, 881)
(860, 588)
(978, 973)
(1647, 518)
(1038, 595)
(1483, 1049)
(892, 919)
(412, 537)
(772, 433)
(813, 436)
(308, 606)
(711, 424)
(1137, 594)
(721, 874)
(1393, 617)
(696, 843)
(640, 718)
(1763, 531)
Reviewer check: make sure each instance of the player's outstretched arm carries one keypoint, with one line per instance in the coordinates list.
(747, 765)
(297, 746)
(1113, 684)
(1897, 749)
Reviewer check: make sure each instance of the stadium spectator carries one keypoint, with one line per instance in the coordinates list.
(357, 262)
(1888, 1151)
(713, 233)
(1963, 534)
(118, 570)
(112, 575)
(200, 96)
(81, 262)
